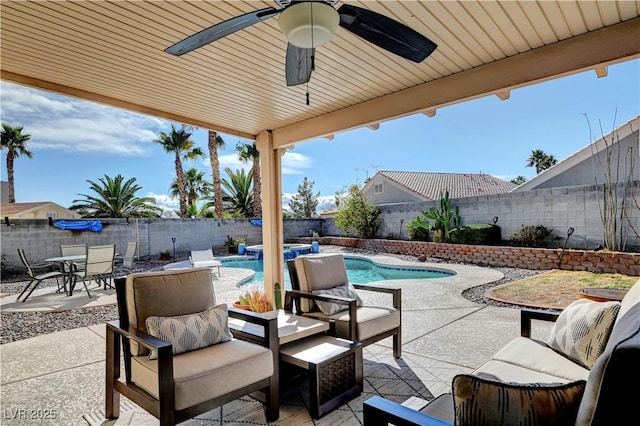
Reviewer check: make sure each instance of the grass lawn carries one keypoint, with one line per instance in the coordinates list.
(556, 289)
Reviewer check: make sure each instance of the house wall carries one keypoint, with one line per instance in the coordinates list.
(44, 211)
(594, 169)
(555, 208)
(392, 192)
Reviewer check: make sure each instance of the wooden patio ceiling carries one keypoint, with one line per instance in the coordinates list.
(113, 52)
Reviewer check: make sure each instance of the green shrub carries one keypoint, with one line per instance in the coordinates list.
(356, 213)
(417, 233)
(533, 236)
(475, 233)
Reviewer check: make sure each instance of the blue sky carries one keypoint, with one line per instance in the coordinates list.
(74, 141)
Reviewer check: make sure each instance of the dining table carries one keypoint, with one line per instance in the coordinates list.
(66, 265)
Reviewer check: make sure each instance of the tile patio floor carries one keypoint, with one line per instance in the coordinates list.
(443, 334)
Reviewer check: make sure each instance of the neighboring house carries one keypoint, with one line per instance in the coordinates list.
(589, 165)
(390, 187)
(43, 210)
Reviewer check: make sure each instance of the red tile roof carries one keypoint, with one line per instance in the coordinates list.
(460, 185)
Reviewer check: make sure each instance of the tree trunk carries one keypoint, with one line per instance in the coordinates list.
(215, 170)
(12, 192)
(181, 191)
(257, 189)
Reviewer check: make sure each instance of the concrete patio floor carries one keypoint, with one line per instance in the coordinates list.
(62, 374)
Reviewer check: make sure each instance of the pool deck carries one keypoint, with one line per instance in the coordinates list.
(443, 334)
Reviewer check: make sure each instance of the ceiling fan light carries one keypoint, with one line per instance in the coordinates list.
(296, 23)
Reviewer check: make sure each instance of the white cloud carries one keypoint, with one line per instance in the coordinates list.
(325, 202)
(164, 200)
(63, 123)
(294, 162)
(233, 162)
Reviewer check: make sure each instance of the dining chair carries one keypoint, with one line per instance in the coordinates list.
(35, 277)
(98, 266)
(73, 250)
(123, 265)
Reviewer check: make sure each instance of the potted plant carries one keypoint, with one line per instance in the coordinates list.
(253, 300)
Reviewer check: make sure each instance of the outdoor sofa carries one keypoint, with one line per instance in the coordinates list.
(559, 381)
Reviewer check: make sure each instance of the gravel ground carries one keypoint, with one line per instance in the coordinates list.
(22, 325)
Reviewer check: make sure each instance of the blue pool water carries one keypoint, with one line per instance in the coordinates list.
(359, 271)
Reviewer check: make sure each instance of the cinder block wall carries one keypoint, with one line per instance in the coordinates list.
(555, 208)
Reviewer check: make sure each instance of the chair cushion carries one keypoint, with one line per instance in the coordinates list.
(166, 294)
(536, 357)
(191, 332)
(372, 320)
(345, 290)
(607, 398)
(208, 372)
(319, 272)
(582, 330)
(483, 401)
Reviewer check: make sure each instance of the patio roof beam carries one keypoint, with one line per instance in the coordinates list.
(602, 47)
(118, 103)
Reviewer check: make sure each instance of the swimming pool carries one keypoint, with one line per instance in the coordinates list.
(359, 271)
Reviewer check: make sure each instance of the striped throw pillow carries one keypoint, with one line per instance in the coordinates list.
(345, 290)
(582, 330)
(191, 332)
(479, 401)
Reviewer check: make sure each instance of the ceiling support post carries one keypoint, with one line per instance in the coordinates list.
(272, 223)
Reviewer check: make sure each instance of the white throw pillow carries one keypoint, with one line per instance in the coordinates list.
(191, 332)
(345, 290)
(582, 330)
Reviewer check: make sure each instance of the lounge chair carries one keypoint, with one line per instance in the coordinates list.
(202, 257)
(185, 377)
(321, 290)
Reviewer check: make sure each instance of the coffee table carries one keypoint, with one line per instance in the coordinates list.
(291, 327)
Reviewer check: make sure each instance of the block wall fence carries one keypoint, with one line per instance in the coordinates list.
(555, 208)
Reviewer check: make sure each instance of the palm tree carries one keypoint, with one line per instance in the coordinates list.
(249, 152)
(215, 143)
(237, 193)
(16, 144)
(195, 186)
(541, 160)
(179, 143)
(116, 198)
(519, 180)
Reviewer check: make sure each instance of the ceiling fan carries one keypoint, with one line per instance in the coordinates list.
(311, 23)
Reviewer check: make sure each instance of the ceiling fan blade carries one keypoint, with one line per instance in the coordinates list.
(386, 33)
(299, 64)
(222, 29)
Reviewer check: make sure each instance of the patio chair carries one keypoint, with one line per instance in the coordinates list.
(98, 266)
(37, 277)
(321, 290)
(202, 256)
(186, 379)
(123, 265)
(72, 250)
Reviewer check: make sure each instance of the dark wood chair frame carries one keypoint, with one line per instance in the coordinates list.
(296, 294)
(119, 335)
(378, 411)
